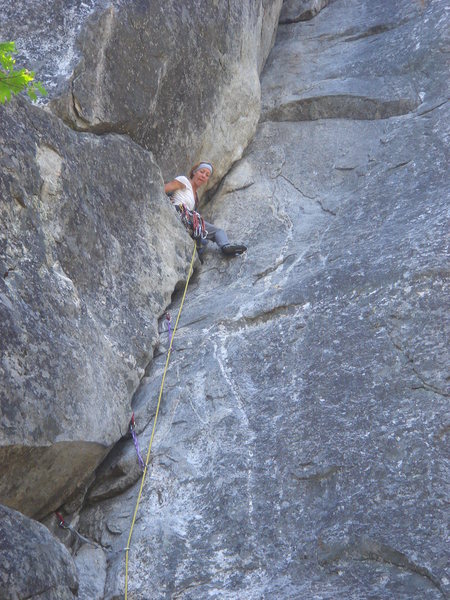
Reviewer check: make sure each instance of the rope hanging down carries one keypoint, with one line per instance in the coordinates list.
(127, 549)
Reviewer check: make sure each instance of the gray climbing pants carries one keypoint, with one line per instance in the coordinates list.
(216, 235)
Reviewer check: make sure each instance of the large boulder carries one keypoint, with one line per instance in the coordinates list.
(90, 253)
(34, 565)
(301, 446)
(181, 79)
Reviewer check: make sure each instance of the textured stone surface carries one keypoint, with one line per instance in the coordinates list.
(300, 10)
(46, 40)
(90, 251)
(302, 443)
(33, 563)
(361, 62)
(92, 563)
(180, 78)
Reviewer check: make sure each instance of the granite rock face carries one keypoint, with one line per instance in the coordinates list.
(46, 40)
(301, 10)
(301, 446)
(182, 79)
(90, 252)
(91, 562)
(33, 563)
(346, 78)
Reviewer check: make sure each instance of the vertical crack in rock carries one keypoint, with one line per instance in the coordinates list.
(287, 416)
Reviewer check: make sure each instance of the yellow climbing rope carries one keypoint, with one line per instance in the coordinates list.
(127, 549)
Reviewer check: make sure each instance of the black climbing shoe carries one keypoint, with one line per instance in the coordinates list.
(233, 249)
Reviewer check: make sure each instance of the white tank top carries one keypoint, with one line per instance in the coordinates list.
(184, 196)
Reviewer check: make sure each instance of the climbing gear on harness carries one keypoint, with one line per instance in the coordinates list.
(128, 546)
(233, 249)
(135, 440)
(65, 525)
(193, 221)
(195, 224)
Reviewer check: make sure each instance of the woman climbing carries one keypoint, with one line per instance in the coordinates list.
(184, 196)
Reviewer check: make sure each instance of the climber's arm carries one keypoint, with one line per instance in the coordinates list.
(173, 185)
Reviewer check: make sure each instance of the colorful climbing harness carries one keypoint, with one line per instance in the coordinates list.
(127, 549)
(193, 221)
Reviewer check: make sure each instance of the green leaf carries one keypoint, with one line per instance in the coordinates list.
(15, 81)
(7, 49)
(5, 93)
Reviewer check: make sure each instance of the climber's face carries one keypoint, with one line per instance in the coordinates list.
(201, 177)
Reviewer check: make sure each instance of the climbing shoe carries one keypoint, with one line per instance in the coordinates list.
(233, 249)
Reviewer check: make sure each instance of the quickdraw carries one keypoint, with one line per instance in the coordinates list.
(65, 525)
(169, 326)
(136, 443)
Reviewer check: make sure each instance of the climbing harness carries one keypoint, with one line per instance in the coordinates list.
(135, 440)
(65, 525)
(193, 221)
(127, 549)
(195, 224)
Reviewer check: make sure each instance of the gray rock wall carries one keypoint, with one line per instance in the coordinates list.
(195, 94)
(301, 10)
(182, 79)
(301, 447)
(33, 563)
(90, 250)
(87, 265)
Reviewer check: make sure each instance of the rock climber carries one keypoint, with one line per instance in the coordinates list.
(183, 191)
